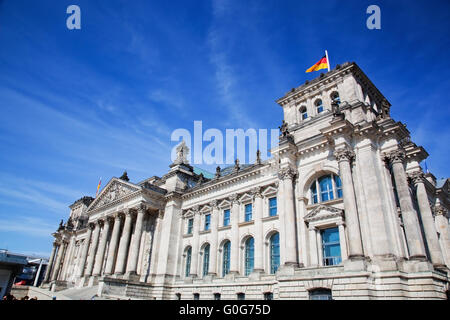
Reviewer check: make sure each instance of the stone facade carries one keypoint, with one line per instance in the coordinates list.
(342, 209)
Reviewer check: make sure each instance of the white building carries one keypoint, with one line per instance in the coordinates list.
(342, 210)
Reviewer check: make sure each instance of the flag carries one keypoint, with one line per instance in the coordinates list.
(98, 187)
(321, 64)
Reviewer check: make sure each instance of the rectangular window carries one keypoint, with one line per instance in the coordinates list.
(196, 296)
(190, 226)
(268, 296)
(331, 247)
(241, 296)
(216, 296)
(226, 217)
(272, 207)
(248, 212)
(207, 221)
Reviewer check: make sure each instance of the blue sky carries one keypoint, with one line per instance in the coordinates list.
(77, 105)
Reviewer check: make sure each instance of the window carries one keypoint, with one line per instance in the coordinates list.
(178, 296)
(249, 255)
(303, 112)
(241, 296)
(272, 207)
(274, 252)
(320, 294)
(319, 105)
(188, 261)
(335, 97)
(330, 247)
(216, 296)
(226, 258)
(248, 212)
(226, 217)
(207, 221)
(268, 296)
(196, 296)
(329, 187)
(206, 260)
(190, 226)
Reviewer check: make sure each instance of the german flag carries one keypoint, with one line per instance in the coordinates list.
(321, 64)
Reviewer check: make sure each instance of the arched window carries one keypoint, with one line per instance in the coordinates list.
(188, 261)
(206, 260)
(319, 105)
(326, 188)
(320, 294)
(335, 97)
(249, 255)
(226, 258)
(303, 112)
(274, 252)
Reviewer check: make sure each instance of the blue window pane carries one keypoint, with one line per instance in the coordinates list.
(319, 106)
(226, 217)
(331, 247)
(314, 193)
(326, 188)
(206, 260)
(248, 212)
(249, 255)
(320, 294)
(274, 252)
(207, 221)
(304, 115)
(272, 207)
(190, 225)
(226, 258)
(188, 262)
(338, 183)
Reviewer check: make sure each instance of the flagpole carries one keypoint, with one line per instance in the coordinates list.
(328, 60)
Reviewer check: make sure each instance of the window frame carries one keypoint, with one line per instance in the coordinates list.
(273, 207)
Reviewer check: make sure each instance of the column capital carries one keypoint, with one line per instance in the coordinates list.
(344, 154)
(286, 173)
(100, 222)
(214, 204)
(234, 198)
(440, 210)
(91, 225)
(416, 177)
(129, 212)
(256, 192)
(395, 156)
(141, 207)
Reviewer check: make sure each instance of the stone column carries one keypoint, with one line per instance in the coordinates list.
(113, 244)
(234, 254)
(429, 228)
(135, 245)
(101, 249)
(441, 216)
(287, 176)
(94, 245)
(319, 248)
(124, 243)
(313, 247)
(351, 212)
(259, 243)
(87, 241)
(342, 241)
(59, 257)
(214, 238)
(195, 243)
(410, 219)
(50, 262)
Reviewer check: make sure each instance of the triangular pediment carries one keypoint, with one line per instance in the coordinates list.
(115, 190)
(323, 212)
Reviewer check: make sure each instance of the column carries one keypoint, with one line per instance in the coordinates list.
(59, 257)
(195, 243)
(441, 216)
(87, 241)
(319, 248)
(410, 219)
(94, 245)
(135, 245)
(342, 241)
(313, 246)
(351, 212)
(50, 262)
(259, 243)
(113, 244)
(287, 176)
(214, 238)
(431, 236)
(124, 243)
(99, 258)
(234, 254)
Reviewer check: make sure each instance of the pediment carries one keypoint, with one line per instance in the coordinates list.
(245, 198)
(270, 190)
(323, 212)
(224, 204)
(115, 190)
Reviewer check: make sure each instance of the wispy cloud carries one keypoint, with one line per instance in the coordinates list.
(27, 226)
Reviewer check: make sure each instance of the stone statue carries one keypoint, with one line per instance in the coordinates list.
(335, 109)
(236, 165)
(218, 172)
(283, 129)
(182, 153)
(200, 179)
(124, 176)
(258, 157)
